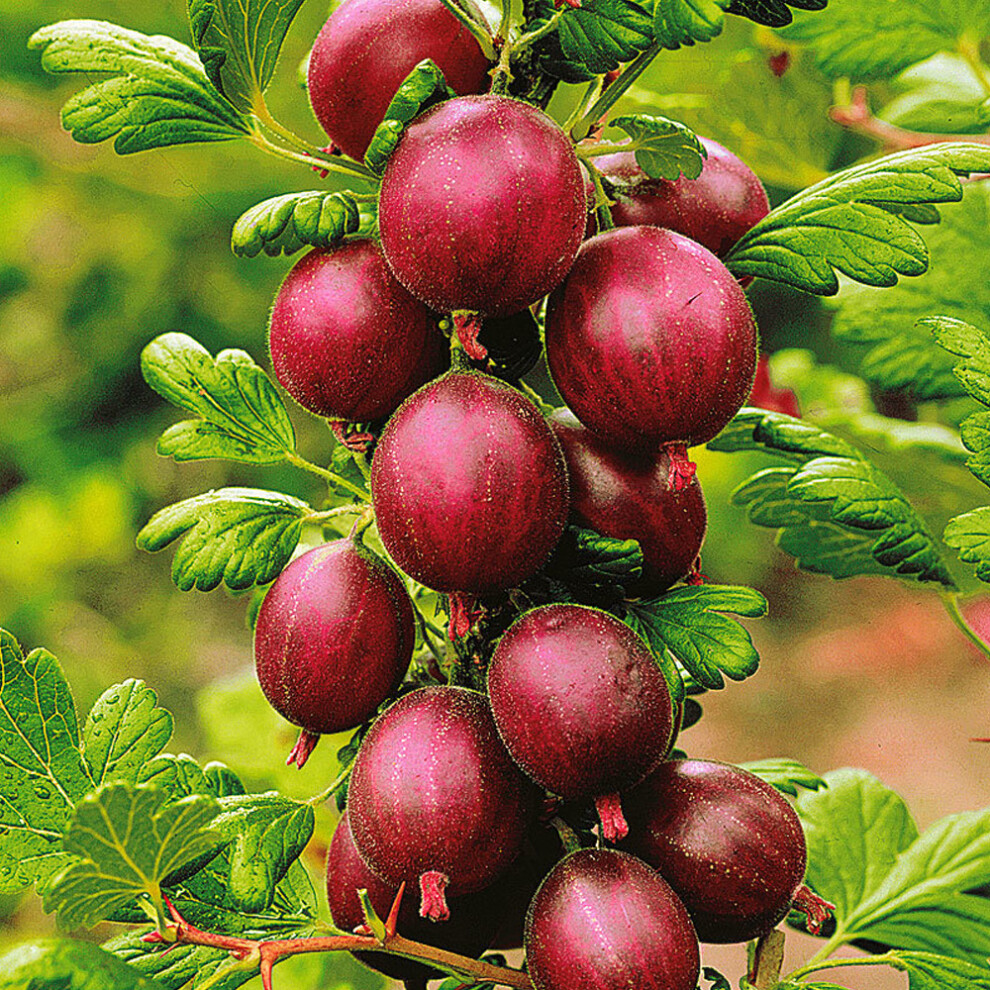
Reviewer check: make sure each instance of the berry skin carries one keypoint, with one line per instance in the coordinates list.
(334, 637)
(727, 842)
(650, 340)
(630, 496)
(715, 209)
(604, 920)
(368, 47)
(347, 341)
(469, 485)
(482, 206)
(435, 800)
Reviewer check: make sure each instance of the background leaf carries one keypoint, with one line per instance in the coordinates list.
(284, 224)
(928, 971)
(774, 13)
(239, 42)
(158, 95)
(585, 557)
(683, 22)
(67, 964)
(844, 222)
(664, 148)
(786, 775)
(240, 536)
(243, 416)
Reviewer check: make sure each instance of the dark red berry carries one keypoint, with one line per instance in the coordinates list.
(368, 47)
(482, 206)
(469, 485)
(474, 918)
(727, 842)
(630, 496)
(580, 704)
(435, 800)
(650, 339)
(715, 209)
(602, 920)
(347, 341)
(334, 637)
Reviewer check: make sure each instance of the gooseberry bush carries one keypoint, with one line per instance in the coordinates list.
(502, 600)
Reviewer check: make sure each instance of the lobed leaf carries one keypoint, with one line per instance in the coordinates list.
(684, 22)
(600, 34)
(585, 557)
(969, 534)
(242, 416)
(157, 95)
(687, 622)
(844, 223)
(876, 41)
(131, 841)
(239, 42)
(284, 224)
(67, 964)
(786, 775)
(423, 88)
(929, 971)
(238, 536)
(664, 149)
(773, 13)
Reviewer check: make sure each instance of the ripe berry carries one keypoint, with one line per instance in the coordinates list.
(333, 639)
(469, 485)
(347, 341)
(368, 47)
(482, 206)
(630, 496)
(715, 209)
(727, 842)
(472, 925)
(650, 339)
(603, 919)
(435, 798)
(580, 704)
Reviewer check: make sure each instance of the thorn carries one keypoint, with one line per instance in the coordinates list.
(573, 4)
(173, 910)
(266, 971)
(392, 921)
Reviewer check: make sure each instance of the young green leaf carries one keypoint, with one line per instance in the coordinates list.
(67, 964)
(284, 224)
(600, 34)
(242, 416)
(665, 149)
(585, 557)
(131, 841)
(970, 535)
(423, 88)
(900, 351)
(43, 770)
(875, 41)
(240, 536)
(837, 513)
(686, 621)
(889, 884)
(786, 775)
(773, 13)
(124, 730)
(844, 223)
(684, 22)
(157, 93)
(239, 42)
(928, 971)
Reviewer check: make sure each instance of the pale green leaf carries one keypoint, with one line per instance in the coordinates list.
(970, 535)
(928, 971)
(157, 93)
(67, 964)
(785, 774)
(684, 22)
(240, 536)
(664, 149)
(285, 224)
(246, 415)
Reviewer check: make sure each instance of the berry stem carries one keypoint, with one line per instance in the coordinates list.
(813, 966)
(346, 167)
(612, 93)
(332, 479)
(767, 961)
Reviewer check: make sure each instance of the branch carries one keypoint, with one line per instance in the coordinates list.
(858, 118)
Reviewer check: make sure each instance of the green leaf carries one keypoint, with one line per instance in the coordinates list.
(178, 776)
(874, 41)
(786, 775)
(284, 224)
(124, 730)
(773, 13)
(158, 93)
(687, 622)
(600, 34)
(928, 971)
(683, 22)
(240, 536)
(242, 416)
(888, 883)
(67, 964)
(239, 42)
(970, 535)
(44, 773)
(131, 840)
(664, 148)
(836, 512)
(901, 354)
(586, 557)
(423, 88)
(844, 222)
